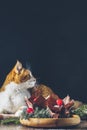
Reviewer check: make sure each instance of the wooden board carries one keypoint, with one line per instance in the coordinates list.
(51, 122)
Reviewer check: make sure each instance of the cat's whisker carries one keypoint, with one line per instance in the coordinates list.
(28, 66)
(38, 78)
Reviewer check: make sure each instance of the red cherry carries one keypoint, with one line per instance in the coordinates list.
(30, 110)
(59, 102)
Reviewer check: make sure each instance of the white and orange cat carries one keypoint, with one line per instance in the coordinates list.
(15, 88)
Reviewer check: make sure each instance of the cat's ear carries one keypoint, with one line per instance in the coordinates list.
(18, 67)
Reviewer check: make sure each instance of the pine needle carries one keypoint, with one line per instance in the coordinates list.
(11, 120)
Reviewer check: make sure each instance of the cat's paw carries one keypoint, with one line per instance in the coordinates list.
(20, 111)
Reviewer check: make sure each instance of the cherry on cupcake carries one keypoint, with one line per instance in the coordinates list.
(30, 110)
(59, 102)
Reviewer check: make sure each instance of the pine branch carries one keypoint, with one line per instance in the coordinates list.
(10, 121)
(81, 111)
(38, 113)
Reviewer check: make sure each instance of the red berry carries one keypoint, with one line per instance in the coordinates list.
(30, 110)
(59, 102)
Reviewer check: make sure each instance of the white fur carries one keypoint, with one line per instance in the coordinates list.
(13, 97)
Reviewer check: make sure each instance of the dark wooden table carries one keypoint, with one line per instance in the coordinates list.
(82, 125)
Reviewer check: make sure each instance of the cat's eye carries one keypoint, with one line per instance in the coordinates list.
(25, 78)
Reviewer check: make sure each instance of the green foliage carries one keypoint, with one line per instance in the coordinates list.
(38, 113)
(10, 121)
(81, 111)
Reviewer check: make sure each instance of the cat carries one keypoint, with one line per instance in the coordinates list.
(14, 89)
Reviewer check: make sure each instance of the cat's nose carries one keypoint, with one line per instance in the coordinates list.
(34, 80)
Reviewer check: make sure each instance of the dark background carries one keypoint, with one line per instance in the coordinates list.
(52, 39)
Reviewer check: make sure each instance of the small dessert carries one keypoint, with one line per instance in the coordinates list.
(48, 112)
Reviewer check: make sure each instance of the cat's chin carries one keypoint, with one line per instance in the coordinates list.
(31, 85)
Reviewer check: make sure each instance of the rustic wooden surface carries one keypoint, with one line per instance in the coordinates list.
(82, 125)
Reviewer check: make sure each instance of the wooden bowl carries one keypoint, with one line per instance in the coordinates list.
(51, 122)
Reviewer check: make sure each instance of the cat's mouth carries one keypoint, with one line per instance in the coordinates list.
(31, 82)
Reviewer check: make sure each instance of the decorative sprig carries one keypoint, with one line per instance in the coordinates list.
(38, 113)
(10, 121)
(81, 111)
